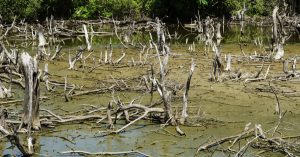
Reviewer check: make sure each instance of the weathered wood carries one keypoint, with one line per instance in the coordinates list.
(184, 113)
(279, 35)
(72, 61)
(109, 119)
(89, 46)
(9, 29)
(29, 68)
(138, 106)
(228, 65)
(56, 53)
(105, 153)
(217, 66)
(218, 31)
(12, 136)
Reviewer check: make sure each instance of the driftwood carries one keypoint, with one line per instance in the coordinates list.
(9, 28)
(14, 140)
(226, 139)
(138, 106)
(104, 153)
(69, 119)
(257, 78)
(17, 101)
(289, 74)
(12, 136)
(259, 141)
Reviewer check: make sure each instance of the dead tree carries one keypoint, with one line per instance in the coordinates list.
(228, 65)
(209, 33)
(161, 86)
(163, 63)
(161, 39)
(218, 34)
(199, 26)
(57, 52)
(42, 43)
(89, 46)
(217, 67)
(29, 68)
(241, 14)
(290, 73)
(184, 113)
(8, 29)
(72, 61)
(279, 35)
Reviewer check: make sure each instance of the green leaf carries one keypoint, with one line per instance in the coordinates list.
(203, 2)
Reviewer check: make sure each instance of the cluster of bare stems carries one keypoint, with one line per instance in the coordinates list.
(22, 69)
(257, 138)
(209, 32)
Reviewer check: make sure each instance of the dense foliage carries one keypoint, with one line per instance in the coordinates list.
(136, 9)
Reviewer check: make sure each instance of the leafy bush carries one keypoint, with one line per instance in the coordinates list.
(170, 9)
(20, 8)
(107, 8)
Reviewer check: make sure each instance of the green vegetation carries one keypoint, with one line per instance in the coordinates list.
(134, 9)
(20, 8)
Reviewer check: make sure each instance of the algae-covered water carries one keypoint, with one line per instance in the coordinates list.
(219, 109)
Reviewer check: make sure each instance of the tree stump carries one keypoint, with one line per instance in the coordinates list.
(29, 68)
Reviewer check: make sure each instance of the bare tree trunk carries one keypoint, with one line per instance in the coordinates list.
(228, 65)
(217, 68)
(275, 29)
(109, 119)
(241, 18)
(164, 93)
(218, 31)
(218, 34)
(184, 114)
(88, 44)
(29, 67)
(278, 35)
(42, 43)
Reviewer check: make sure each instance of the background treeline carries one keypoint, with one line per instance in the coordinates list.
(32, 10)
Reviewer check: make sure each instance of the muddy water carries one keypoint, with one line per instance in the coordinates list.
(217, 109)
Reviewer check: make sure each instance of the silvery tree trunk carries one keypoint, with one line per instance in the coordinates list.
(228, 65)
(163, 52)
(88, 44)
(218, 34)
(29, 68)
(278, 35)
(218, 31)
(184, 113)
